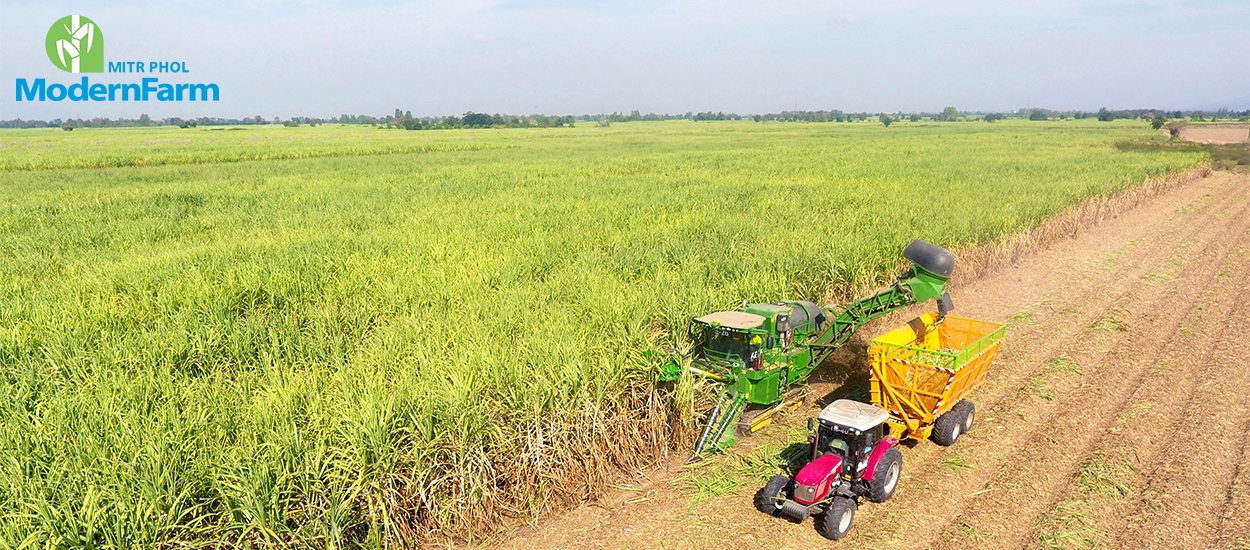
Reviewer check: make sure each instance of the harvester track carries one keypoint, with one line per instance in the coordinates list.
(1115, 416)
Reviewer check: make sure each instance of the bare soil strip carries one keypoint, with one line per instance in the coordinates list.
(1235, 522)
(1186, 497)
(1117, 354)
(1112, 481)
(1218, 134)
(1114, 353)
(1125, 364)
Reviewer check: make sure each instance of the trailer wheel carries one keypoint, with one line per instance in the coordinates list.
(836, 522)
(948, 427)
(968, 412)
(768, 499)
(885, 476)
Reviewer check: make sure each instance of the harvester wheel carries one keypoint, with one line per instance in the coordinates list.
(768, 499)
(885, 476)
(836, 522)
(968, 412)
(948, 427)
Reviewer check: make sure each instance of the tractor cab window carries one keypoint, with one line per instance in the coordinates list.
(839, 441)
(728, 344)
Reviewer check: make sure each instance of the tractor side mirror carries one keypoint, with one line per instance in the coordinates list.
(811, 424)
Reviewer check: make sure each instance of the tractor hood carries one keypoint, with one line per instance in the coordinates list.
(817, 470)
(814, 480)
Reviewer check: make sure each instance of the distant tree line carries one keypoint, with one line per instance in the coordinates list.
(405, 120)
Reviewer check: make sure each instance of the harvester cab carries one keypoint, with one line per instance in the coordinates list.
(746, 338)
(852, 457)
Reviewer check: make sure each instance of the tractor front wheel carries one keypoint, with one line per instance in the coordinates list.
(769, 499)
(836, 522)
(885, 476)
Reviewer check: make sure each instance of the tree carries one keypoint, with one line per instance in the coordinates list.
(1157, 122)
(1105, 115)
(1174, 127)
(1038, 114)
(948, 114)
(886, 120)
(993, 116)
(477, 120)
(914, 117)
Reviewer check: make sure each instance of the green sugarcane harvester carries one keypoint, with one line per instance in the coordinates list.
(761, 352)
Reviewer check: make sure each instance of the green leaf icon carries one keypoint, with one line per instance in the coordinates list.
(75, 44)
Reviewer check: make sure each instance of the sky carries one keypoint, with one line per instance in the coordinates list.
(287, 58)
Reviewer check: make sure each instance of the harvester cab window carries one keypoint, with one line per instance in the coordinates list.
(729, 344)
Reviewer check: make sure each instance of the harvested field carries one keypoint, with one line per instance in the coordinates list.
(1116, 415)
(1218, 135)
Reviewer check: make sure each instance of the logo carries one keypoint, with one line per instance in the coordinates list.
(75, 44)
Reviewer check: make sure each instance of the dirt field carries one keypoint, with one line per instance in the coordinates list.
(1216, 134)
(1116, 415)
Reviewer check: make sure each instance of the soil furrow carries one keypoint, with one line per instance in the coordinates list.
(1012, 412)
(1064, 299)
(1187, 495)
(1235, 520)
(1110, 479)
(1119, 353)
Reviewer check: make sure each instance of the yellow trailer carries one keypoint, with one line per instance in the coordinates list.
(922, 372)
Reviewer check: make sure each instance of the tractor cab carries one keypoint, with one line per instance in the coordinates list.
(851, 430)
(850, 459)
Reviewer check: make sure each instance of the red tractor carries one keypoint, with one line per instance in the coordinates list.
(853, 456)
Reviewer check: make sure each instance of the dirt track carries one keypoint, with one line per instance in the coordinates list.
(1116, 416)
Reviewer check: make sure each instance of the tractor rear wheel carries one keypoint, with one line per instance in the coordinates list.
(948, 427)
(885, 476)
(836, 522)
(768, 499)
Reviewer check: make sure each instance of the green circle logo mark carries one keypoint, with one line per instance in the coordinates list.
(76, 45)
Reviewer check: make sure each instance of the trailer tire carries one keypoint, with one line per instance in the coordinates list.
(837, 520)
(948, 428)
(885, 476)
(768, 499)
(968, 412)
